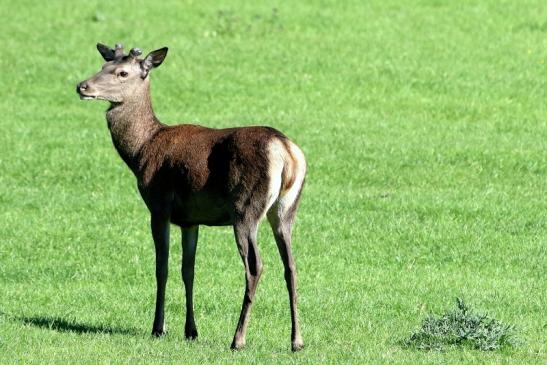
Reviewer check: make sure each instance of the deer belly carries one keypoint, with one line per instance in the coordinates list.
(200, 208)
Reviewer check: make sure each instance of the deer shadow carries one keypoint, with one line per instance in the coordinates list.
(63, 325)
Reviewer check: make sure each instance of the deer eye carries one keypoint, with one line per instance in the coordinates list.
(123, 74)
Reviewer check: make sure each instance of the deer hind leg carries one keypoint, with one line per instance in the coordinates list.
(246, 233)
(281, 219)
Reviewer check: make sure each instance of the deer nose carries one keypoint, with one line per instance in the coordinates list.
(82, 86)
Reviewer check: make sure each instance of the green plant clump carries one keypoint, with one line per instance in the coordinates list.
(462, 328)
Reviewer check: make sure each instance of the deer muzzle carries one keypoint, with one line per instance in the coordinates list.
(81, 90)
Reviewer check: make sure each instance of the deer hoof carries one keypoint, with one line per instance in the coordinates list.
(159, 332)
(297, 345)
(191, 334)
(237, 345)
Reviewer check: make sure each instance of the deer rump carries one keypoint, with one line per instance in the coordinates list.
(215, 176)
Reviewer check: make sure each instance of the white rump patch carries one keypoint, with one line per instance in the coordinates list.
(276, 157)
(294, 163)
(298, 166)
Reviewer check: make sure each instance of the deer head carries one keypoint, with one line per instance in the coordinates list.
(122, 76)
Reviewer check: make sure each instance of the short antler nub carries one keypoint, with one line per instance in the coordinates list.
(118, 51)
(135, 52)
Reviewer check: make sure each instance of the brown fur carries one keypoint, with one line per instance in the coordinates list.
(214, 175)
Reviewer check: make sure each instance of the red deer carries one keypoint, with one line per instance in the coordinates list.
(190, 175)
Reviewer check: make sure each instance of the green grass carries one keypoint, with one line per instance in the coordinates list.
(425, 127)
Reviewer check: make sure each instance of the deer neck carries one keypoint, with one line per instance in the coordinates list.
(132, 124)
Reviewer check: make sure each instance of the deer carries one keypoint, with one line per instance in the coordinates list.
(190, 175)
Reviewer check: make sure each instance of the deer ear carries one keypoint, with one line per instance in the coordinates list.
(106, 52)
(153, 59)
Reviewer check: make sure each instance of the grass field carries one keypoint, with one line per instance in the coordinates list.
(425, 127)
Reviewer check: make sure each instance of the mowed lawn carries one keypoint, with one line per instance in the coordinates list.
(425, 128)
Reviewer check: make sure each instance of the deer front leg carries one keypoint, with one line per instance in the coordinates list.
(245, 234)
(189, 245)
(160, 233)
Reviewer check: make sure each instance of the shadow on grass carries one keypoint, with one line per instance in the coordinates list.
(64, 325)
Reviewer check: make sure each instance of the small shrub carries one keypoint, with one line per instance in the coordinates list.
(462, 328)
